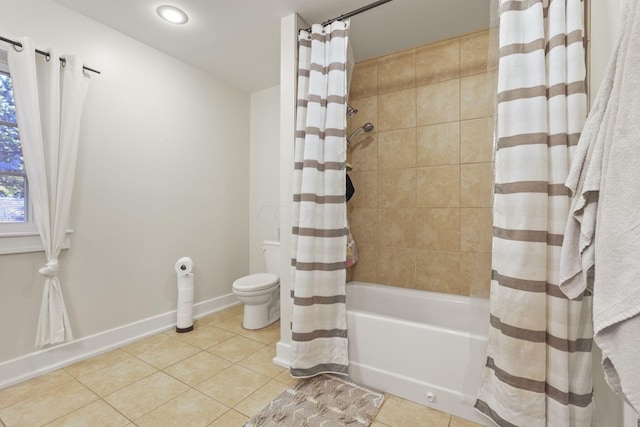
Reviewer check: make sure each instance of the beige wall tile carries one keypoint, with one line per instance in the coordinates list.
(397, 149)
(475, 273)
(476, 96)
(476, 229)
(363, 152)
(365, 80)
(397, 267)
(191, 408)
(397, 110)
(364, 225)
(476, 185)
(438, 62)
(397, 188)
(438, 144)
(474, 51)
(438, 229)
(438, 186)
(476, 140)
(366, 186)
(397, 228)
(438, 271)
(397, 71)
(367, 112)
(438, 103)
(366, 269)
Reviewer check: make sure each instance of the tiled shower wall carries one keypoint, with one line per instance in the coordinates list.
(421, 214)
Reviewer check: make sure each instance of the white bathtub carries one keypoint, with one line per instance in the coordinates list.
(416, 345)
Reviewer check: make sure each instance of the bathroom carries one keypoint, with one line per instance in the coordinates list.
(119, 269)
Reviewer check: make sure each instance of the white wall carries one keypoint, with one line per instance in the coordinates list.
(264, 164)
(162, 173)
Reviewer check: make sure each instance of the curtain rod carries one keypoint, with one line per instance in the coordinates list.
(42, 52)
(353, 13)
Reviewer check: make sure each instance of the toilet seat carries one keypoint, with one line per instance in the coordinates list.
(256, 282)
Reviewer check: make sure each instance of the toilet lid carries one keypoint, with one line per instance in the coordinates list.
(256, 282)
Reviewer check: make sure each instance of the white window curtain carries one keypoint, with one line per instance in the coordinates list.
(319, 244)
(49, 99)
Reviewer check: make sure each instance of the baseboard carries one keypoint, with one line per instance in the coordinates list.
(42, 361)
(282, 354)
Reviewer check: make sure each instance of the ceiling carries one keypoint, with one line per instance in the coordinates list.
(239, 40)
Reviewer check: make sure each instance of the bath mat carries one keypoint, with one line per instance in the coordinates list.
(325, 400)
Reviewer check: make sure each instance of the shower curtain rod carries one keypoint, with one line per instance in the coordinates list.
(353, 13)
(42, 52)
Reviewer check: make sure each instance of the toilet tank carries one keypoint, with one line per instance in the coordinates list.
(272, 256)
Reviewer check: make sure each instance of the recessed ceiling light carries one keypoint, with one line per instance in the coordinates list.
(172, 14)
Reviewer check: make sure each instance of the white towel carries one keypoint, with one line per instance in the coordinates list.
(603, 230)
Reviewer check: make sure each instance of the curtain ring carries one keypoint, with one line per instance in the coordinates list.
(18, 47)
(47, 57)
(63, 62)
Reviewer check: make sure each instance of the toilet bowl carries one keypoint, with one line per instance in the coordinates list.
(260, 292)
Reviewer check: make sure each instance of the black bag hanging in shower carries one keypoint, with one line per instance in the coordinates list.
(350, 188)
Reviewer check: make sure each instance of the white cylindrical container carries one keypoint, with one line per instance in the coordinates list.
(184, 321)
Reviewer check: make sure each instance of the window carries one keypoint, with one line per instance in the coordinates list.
(18, 232)
(14, 206)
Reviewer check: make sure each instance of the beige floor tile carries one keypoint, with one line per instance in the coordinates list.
(459, 422)
(231, 418)
(232, 385)
(236, 348)
(197, 368)
(98, 362)
(191, 408)
(107, 380)
(162, 351)
(33, 387)
(97, 413)
(261, 398)
(216, 317)
(143, 396)
(378, 424)
(231, 324)
(262, 362)
(397, 412)
(202, 337)
(43, 408)
(286, 378)
(267, 335)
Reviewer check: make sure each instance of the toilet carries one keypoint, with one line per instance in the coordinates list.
(260, 293)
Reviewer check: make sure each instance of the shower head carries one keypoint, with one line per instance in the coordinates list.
(367, 127)
(351, 111)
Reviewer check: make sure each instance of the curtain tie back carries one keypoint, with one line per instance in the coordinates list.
(50, 270)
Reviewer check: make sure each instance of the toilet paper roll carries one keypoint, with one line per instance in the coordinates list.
(184, 265)
(184, 320)
(185, 281)
(185, 295)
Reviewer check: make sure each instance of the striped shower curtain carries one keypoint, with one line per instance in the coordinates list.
(318, 321)
(538, 369)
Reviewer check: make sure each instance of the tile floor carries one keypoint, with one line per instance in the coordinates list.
(218, 375)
